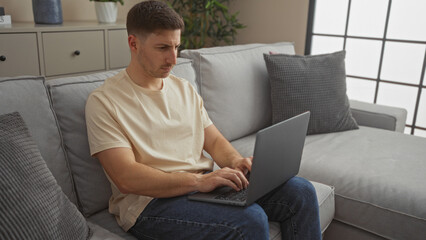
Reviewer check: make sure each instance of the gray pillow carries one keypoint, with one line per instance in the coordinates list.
(32, 204)
(310, 83)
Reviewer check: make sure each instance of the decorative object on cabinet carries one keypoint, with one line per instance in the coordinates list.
(4, 20)
(106, 10)
(47, 11)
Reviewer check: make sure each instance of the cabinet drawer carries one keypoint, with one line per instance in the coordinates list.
(18, 55)
(119, 52)
(73, 52)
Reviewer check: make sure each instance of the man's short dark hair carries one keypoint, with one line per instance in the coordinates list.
(149, 16)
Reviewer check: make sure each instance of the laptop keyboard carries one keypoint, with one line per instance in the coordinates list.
(233, 195)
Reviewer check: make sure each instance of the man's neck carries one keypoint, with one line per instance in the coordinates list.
(138, 76)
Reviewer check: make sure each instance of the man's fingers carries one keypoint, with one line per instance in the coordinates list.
(231, 184)
(236, 177)
(225, 177)
(243, 179)
(239, 179)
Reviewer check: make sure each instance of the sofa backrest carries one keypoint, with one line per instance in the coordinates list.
(69, 96)
(233, 82)
(185, 69)
(28, 96)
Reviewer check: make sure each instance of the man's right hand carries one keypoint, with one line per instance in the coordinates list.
(222, 177)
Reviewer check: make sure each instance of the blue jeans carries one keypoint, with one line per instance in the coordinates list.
(294, 205)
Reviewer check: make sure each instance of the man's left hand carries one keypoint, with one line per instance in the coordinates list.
(242, 164)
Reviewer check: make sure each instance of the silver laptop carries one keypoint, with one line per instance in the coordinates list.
(277, 155)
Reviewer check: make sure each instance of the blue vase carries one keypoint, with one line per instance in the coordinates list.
(47, 11)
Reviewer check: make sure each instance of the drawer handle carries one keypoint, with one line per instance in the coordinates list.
(2, 58)
(76, 52)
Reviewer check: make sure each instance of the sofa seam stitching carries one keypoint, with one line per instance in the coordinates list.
(75, 83)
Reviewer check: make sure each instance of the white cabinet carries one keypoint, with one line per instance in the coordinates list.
(73, 52)
(72, 48)
(18, 54)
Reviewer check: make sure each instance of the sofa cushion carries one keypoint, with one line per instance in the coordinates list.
(234, 85)
(184, 69)
(379, 177)
(28, 96)
(32, 204)
(325, 193)
(69, 97)
(100, 233)
(106, 220)
(310, 83)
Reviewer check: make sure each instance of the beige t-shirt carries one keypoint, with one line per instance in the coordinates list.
(164, 129)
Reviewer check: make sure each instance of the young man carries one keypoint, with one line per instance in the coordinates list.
(148, 129)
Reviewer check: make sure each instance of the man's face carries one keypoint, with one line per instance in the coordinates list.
(157, 52)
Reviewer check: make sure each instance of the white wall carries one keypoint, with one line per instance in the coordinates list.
(267, 20)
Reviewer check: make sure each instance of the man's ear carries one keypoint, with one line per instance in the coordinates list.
(132, 41)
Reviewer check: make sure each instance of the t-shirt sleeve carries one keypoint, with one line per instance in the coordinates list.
(204, 115)
(102, 128)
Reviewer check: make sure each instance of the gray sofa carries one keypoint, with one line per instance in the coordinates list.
(369, 181)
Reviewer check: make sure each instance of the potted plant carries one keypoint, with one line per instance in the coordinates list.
(106, 10)
(207, 22)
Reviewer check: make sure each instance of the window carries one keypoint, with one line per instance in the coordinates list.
(385, 43)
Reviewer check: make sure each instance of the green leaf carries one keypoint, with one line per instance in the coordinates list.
(207, 22)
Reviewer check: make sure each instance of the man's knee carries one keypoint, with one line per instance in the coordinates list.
(303, 190)
(256, 222)
(306, 187)
(260, 220)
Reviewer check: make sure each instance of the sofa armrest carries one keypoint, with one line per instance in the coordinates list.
(379, 116)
